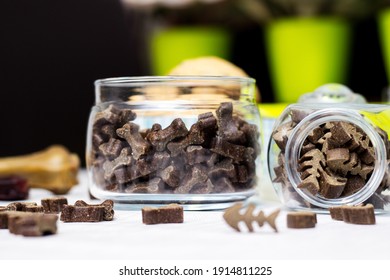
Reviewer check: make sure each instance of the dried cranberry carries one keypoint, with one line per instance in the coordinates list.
(13, 188)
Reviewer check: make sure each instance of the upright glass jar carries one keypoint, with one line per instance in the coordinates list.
(331, 154)
(192, 140)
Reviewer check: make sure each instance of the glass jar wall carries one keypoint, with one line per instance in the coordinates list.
(175, 139)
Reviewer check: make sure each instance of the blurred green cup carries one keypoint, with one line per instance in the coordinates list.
(171, 46)
(305, 53)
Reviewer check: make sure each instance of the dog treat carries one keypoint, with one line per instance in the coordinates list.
(301, 220)
(32, 224)
(361, 215)
(171, 213)
(20, 206)
(233, 217)
(336, 159)
(107, 204)
(13, 188)
(54, 169)
(3, 218)
(54, 204)
(34, 209)
(175, 160)
(71, 213)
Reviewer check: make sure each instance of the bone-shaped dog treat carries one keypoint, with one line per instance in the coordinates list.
(194, 137)
(117, 114)
(20, 206)
(171, 213)
(34, 209)
(158, 160)
(223, 185)
(226, 126)
(108, 205)
(171, 175)
(54, 204)
(123, 159)
(237, 152)
(71, 213)
(233, 217)
(130, 132)
(197, 176)
(223, 168)
(112, 148)
(160, 138)
(151, 186)
(197, 154)
(32, 224)
(54, 169)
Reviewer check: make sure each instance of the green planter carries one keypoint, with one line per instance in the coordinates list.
(305, 53)
(384, 37)
(171, 46)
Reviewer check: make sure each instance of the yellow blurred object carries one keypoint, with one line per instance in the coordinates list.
(54, 168)
(209, 66)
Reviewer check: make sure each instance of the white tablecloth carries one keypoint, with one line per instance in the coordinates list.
(203, 235)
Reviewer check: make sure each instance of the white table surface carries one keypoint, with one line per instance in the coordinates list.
(203, 235)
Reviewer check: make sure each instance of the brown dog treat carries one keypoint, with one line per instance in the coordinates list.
(54, 204)
(361, 215)
(172, 213)
(281, 134)
(354, 184)
(124, 159)
(238, 153)
(332, 185)
(107, 204)
(311, 165)
(20, 206)
(160, 138)
(150, 186)
(233, 217)
(171, 175)
(34, 209)
(130, 132)
(32, 224)
(301, 220)
(227, 129)
(3, 219)
(336, 213)
(72, 213)
(112, 148)
(195, 136)
(197, 176)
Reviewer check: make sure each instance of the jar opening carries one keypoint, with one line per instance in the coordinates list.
(334, 157)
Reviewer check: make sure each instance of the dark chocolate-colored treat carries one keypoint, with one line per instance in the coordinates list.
(71, 213)
(301, 220)
(130, 132)
(3, 219)
(108, 208)
(13, 188)
(32, 224)
(34, 209)
(54, 204)
(160, 138)
(227, 129)
(151, 186)
(197, 176)
(172, 213)
(20, 206)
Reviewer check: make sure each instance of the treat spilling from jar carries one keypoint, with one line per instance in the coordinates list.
(215, 155)
(336, 160)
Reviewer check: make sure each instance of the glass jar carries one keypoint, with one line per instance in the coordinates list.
(331, 154)
(192, 140)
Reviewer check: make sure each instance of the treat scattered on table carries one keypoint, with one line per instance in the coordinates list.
(360, 214)
(32, 224)
(171, 213)
(54, 169)
(54, 204)
(13, 188)
(216, 155)
(301, 219)
(233, 217)
(83, 212)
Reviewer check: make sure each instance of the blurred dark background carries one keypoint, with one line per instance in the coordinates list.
(51, 53)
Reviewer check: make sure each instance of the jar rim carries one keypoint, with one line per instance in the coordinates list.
(295, 142)
(135, 80)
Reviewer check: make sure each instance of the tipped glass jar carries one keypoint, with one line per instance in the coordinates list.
(174, 139)
(323, 155)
